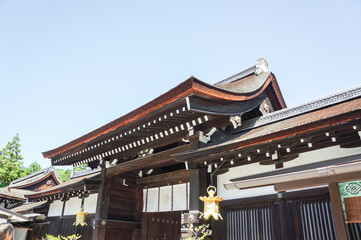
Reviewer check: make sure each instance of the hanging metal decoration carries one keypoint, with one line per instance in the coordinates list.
(211, 204)
(80, 218)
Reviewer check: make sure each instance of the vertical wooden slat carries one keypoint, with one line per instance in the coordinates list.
(324, 219)
(319, 220)
(249, 223)
(305, 221)
(314, 219)
(329, 219)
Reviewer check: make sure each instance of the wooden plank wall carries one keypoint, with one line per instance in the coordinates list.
(302, 215)
(63, 226)
(123, 198)
(124, 208)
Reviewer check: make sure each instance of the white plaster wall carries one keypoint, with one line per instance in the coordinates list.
(20, 233)
(90, 203)
(251, 169)
(55, 208)
(72, 206)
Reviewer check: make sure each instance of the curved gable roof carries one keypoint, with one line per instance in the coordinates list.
(254, 85)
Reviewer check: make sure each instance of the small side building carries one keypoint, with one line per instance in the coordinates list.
(14, 198)
(60, 204)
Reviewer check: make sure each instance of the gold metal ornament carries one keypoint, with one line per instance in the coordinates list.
(211, 204)
(80, 218)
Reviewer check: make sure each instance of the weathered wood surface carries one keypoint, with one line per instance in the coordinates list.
(165, 178)
(151, 161)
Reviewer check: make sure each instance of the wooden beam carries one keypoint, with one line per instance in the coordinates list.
(165, 178)
(151, 161)
(283, 137)
(337, 211)
(107, 223)
(314, 182)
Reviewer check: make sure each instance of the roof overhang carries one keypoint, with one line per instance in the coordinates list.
(303, 179)
(35, 181)
(27, 207)
(75, 186)
(12, 216)
(170, 109)
(328, 125)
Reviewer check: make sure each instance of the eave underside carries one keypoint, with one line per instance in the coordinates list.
(286, 138)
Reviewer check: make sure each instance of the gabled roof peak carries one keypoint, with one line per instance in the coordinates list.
(260, 67)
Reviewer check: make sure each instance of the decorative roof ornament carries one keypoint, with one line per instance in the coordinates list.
(261, 66)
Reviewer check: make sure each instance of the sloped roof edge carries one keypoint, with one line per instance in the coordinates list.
(186, 88)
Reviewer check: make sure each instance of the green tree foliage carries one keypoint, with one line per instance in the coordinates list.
(34, 167)
(11, 166)
(64, 175)
(10, 162)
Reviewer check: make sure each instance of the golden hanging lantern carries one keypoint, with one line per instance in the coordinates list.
(80, 218)
(211, 204)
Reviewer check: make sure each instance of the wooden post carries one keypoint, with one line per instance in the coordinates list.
(137, 233)
(338, 215)
(198, 186)
(284, 219)
(102, 204)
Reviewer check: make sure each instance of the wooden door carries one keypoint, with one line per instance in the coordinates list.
(161, 225)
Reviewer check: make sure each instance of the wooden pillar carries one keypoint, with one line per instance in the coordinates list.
(137, 233)
(284, 219)
(197, 178)
(338, 215)
(198, 187)
(102, 205)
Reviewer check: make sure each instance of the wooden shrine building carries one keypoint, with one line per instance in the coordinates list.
(60, 204)
(13, 197)
(237, 135)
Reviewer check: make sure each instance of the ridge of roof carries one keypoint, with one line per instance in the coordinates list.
(238, 76)
(260, 67)
(310, 106)
(85, 172)
(42, 171)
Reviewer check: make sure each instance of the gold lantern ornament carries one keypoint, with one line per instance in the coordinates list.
(211, 204)
(80, 218)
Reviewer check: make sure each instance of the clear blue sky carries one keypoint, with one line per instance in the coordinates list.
(68, 67)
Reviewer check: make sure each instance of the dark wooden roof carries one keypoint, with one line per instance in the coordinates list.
(71, 185)
(34, 178)
(13, 194)
(337, 115)
(138, 124)
(13, 216)
(29, 206)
